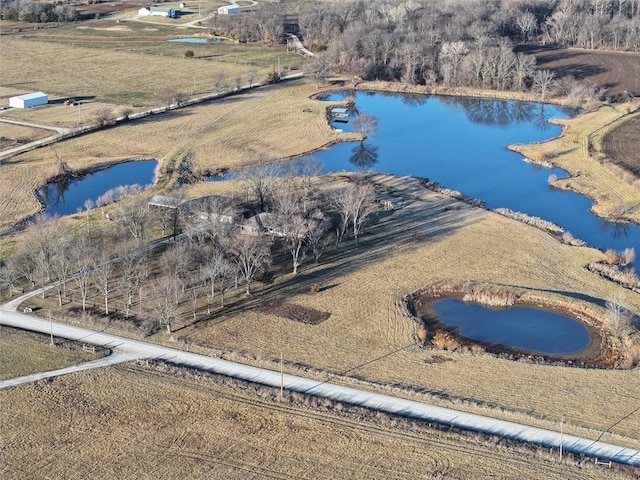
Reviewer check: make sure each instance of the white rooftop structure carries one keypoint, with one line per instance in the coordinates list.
(29, 100)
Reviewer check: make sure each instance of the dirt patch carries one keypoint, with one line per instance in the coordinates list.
(291, 311)
(622, 146)
(616, 72)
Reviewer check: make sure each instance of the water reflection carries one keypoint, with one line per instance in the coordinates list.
(519, 327)
(69, 195)
(500, 112)
(364, 155)
(616, 230)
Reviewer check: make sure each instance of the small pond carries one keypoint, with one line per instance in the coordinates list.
(461, 143)
(71, 195)
(517, 327)
(197, 40)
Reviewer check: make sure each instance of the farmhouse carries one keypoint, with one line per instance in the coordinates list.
(154, 10)
(29, 100)
(229, 10)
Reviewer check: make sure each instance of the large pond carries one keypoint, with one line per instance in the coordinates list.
(518, 327)
(74, 194)
(461, 143)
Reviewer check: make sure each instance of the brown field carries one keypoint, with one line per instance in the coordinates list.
(616, 72)
(22, 353)
(132, 422)
(622, 145)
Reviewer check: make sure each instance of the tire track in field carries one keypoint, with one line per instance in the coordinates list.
(443, 462)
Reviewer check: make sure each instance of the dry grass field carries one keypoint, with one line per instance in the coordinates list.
(169, 425)
(435, 240)
(223, 133)
(14, 135)
(140, 64)
(135, 423)
(22, 353)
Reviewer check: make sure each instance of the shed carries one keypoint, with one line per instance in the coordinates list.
(155, 10)
(162, 201)
(229, 10)
(29, 100)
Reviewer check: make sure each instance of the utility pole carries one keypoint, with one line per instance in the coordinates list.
(281, 379)
(561, 425)
(50, 326)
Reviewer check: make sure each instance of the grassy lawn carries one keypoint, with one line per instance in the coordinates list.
(22, 353)
(153, 424)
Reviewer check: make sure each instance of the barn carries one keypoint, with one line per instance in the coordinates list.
(157, 11)
(29, 100)
(229, 10)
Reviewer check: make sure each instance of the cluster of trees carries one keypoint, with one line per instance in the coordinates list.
(37, 12)
(459, 42)
(115, 264)
(265, 25)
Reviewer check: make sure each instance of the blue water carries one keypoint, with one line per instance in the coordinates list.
(69, 196)
(461, 143)
(194, 40)
(519, 327)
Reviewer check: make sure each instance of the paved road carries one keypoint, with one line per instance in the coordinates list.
(60, 130)
(127, 348)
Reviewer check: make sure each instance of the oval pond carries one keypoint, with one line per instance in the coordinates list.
(517, 327)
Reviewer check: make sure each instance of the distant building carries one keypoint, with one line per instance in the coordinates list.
(29, 100)
(229, 10)
(154, 10)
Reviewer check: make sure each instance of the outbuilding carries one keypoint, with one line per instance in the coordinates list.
(157, 11)
(29, 100)
(229, 10)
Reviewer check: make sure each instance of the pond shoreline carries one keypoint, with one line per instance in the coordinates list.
(598, 353)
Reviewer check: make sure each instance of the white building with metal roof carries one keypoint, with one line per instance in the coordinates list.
(29, 100)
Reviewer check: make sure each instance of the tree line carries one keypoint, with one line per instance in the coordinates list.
(444, 42)
(33, 11)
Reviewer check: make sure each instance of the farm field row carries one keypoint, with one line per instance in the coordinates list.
(153, 424)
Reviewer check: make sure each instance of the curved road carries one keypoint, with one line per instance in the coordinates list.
(126, 349)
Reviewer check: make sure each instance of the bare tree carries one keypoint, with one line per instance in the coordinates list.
(318, 238)
(162, 306)
(252, 255)
(318, 69)
(527, 25)
(177, 262)
(260, 180)
(293, 225)
(104, 117)
(215, 268)
(355, 204)
(101, 273)
(133, 218)
(219, 82)
(618, 318)
(251, 76)
(8, 278)
(365, 125)
(543, 81)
